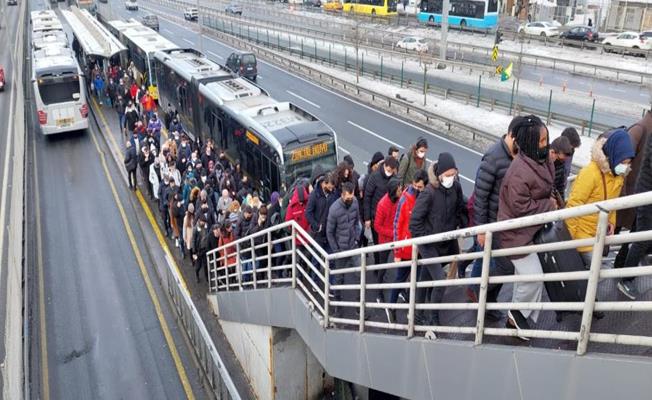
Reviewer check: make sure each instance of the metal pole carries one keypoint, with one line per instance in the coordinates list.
(200, 23)
(477, 104)
(253, 262)
(484, 285)
(327, 289)
(402, 65)
(294, 257)
(363, 287)
(591, 120)
(226, 270)
(278, 40)
(381, 72)
(511, 100)
(329, 54)
(592, 284)
(238, 265)
(550, 107)
(345, 59)
(362, 66)
(269, 259)
(413, 291)
(444, 30)
(425, 82)
(301, 47)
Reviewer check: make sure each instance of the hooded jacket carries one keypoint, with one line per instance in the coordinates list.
(401, 223)
(374, 190)
(343, 226)
(493, 168)
(639, 134)
(594, 183)
(317, 211)
(525, 190)
(384, 221)
(131, 159)
(409, 165)
(296, 209)
(438, 209)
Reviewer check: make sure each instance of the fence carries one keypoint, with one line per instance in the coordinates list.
(285, 254)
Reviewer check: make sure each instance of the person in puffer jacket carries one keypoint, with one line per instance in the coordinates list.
(383, 224)
(296, 210)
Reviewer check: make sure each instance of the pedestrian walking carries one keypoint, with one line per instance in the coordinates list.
(131, 164)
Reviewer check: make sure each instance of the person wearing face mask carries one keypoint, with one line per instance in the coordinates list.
(342, 232)
(200, 246)
(383, 225)
(131, 117)
(224, 161)
(560, 150)
(602, 179)
(414, 160)
(439, 208)
(375, 189)
(401, 231)
(527, 189)
(319, 202)
(245, 227)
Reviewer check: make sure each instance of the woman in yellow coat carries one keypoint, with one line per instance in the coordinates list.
(601, 179)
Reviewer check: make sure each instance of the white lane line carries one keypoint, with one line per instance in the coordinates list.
(259, 76)
(168, 31)
(362, 128)
(215, 55)
(343, 149)
(304, 99)
(188, 41)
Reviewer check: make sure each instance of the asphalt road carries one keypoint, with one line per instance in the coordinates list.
(361, 130)
(99, 333)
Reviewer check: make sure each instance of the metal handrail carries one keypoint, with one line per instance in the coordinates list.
(322, 304)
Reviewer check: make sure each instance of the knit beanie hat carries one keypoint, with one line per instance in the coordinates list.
(274, 198)
(618, 147)
(376, 158)
(445, 162)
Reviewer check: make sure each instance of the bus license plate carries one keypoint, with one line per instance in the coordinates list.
(64, 122)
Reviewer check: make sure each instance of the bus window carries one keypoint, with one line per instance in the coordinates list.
(492, 6)
(59, 90)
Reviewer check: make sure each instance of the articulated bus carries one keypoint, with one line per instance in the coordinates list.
(370, 7)
(481, 14)
(141, 42)
(276, 142)
(57, 80)
(87, 5)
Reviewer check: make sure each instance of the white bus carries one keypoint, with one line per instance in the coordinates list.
(42, 15)
(141, 43)
(44, 39)
(59, 91)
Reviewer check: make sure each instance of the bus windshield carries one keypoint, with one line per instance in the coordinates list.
(301, 161)
(58, 90)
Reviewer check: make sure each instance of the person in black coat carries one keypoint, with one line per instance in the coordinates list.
(131, 164)
(560, 149)
(145, 159)
(439, 208)
(319, 202)
(375, 189)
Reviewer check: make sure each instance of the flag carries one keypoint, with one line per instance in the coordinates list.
(507, 73)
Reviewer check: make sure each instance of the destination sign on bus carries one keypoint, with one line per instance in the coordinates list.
(253, 138)
(307, 152)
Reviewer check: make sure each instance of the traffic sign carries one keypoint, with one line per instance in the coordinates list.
(494, 54)
(499, 70)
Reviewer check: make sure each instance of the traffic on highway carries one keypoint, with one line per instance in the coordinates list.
(152, 148)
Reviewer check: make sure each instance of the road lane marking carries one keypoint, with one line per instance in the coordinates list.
(215, 55)
(343, 149)
(143, 270)
(304, 99)
(45, 372)
(188, 41)
(168, 31)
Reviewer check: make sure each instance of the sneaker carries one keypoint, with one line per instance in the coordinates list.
(516, 320)
(401, 298)
(430, 335)
(628, 289)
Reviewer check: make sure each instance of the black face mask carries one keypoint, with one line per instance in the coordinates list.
(347, 203)
(558, 163)
(393, 197)
(542, 154)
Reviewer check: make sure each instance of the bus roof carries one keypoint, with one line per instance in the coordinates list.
(92, 36)
(42, 14)
(49, 39)
(191, 64)
(147, 39)
(46, 25)
(121, 25)
(51, 59)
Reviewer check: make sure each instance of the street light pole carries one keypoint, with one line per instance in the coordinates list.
(201, 36)
(444, 29)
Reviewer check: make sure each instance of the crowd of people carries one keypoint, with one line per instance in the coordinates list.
(206, 201)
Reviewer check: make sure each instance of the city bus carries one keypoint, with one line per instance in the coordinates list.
(59, 90)
(479, 14)
(370, 7)
(276, 142)
(141, 43)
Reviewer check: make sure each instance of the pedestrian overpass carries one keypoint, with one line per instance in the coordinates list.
(280, 321)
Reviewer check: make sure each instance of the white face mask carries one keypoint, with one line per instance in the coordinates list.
(388, 174)
(421, 154)
(621, 169)
(447, 181)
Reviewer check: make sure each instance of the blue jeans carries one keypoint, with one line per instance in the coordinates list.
(476, 272)
(122, 117)
(402, 274)
(248, 266)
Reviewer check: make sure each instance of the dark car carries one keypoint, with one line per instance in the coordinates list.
(314, 3)
(150, 21)
(243, 64)
(581, 33)
(12, 2)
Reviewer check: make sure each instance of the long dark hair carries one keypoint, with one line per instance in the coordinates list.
(526, 133)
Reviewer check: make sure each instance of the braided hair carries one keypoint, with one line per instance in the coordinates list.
(526, 133)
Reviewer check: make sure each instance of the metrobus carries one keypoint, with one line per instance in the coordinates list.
(42, 15)
(87, 5)
(370, 7)
(59, 90)
(42, 39)
(481, 14)
(141, 43)
(276, 142)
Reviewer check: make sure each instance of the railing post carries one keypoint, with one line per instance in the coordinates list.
(484, 286)
(413, 290)
(327, 289)
(592, 284)
(294, 257)
(269, 259)
(363, 284)
(253, 262)
(226, 269)
(238, 265)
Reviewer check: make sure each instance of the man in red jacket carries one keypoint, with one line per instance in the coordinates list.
(401, 231)
(384, 226)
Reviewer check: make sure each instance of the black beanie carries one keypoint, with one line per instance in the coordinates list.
(349, 160)
(393, 185)
(377, 157)
(445, 162)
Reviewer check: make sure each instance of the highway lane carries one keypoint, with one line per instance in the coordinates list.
(104, 327)
(566, 105)
(361, 130)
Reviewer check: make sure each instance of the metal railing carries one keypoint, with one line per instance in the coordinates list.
(286, 254)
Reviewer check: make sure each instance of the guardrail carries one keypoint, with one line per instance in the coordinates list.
(573, 66)
(287, 254)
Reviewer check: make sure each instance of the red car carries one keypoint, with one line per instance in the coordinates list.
(2, 78)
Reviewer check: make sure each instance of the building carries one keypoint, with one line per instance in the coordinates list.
(626, 15)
